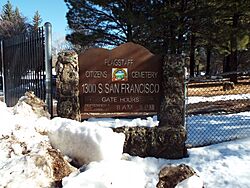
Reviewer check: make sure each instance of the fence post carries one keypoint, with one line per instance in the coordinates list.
(185, 97)
(2, 66)
(48, 66)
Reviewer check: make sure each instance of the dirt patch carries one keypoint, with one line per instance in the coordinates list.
(216, 88)
(230, 106)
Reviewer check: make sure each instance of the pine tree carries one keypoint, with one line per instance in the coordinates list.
(20, 22)
(11, 22)
(165, 27)
(234, 19)
(37, 20)
(206, 30)
(101, 22)
(7, 12)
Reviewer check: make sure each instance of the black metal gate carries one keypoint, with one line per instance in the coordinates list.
(24, 58)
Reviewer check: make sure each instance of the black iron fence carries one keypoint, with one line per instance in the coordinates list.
(217, 110)
(26, 65)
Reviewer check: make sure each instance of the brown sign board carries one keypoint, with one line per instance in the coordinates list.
(125, 79)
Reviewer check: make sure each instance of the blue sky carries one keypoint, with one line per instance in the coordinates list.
(53, 11)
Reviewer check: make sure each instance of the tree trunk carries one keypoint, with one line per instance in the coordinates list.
(192, 55)
(180, 44)
(234, 52)
(165, 45)
(129, 33)
(172, 40)
(129, 25)
(226, 62)
(233, 66)
(208, 71)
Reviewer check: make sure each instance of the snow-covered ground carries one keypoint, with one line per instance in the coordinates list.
(207, 129)
(202, 129)
(197, 99)
(222, 165)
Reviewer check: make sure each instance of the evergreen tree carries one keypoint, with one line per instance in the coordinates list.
(165, 27)
(214, 26)
(206, 30)
(234, 20)
(100, 22)
(37, 20)
(11, 22)
(7, 11)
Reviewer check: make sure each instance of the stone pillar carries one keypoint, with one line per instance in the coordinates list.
(168, 139)
(67, 69)
(172, 110)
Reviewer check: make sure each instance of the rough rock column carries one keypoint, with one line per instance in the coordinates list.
(172, 110)
(67, 69)
(168, 139)
(173, 102)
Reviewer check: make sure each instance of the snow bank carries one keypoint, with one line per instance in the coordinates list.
(22, 163)
(191, 182)
(24, 109)
(22, 151)
(22, 172)
(85, 142)
(107, 174)
(6, 119)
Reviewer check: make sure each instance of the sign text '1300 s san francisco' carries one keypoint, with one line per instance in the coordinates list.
(121, 88)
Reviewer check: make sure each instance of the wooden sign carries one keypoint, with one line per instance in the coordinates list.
(125, 79)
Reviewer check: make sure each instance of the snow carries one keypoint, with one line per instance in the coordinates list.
(119, 173)
(197, 99)
(192, 182)
(84, 142)
(111, 122)
(18, 138)
(207, 129)
(217, 128)
(219, 165)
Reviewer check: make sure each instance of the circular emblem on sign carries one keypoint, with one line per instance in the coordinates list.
(119, 74)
